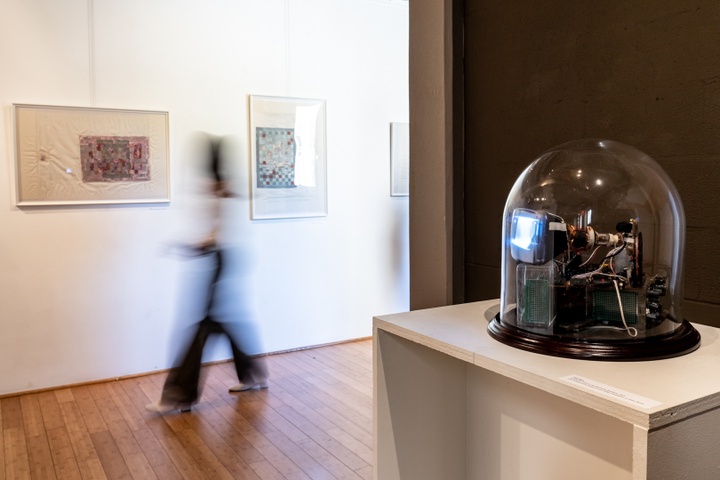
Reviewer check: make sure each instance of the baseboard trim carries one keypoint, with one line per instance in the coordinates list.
(153, 372)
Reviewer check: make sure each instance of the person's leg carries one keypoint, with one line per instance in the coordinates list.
(250, 371)
(182, 385)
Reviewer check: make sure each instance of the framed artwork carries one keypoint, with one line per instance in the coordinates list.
(399, 159)
(287, 157)
(75, 156)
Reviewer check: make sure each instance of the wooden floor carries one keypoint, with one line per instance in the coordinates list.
(314, 422)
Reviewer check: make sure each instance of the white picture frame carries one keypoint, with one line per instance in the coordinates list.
(399, 159)
(288, 157)
(78, 155)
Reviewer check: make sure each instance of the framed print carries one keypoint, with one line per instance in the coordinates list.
(399, 159)
(75, 155)
(287, 157)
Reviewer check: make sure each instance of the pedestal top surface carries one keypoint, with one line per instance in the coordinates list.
(649, 394)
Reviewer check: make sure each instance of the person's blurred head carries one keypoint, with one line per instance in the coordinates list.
(215, 167)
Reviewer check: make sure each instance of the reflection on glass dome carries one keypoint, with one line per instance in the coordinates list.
(592, 262)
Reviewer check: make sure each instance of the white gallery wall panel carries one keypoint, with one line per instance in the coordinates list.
(90, 292)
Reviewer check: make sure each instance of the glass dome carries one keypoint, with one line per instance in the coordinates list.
(592, 259)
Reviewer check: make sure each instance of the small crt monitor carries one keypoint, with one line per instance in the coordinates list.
(531, 236)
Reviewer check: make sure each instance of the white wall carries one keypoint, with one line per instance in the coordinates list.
(85, 292)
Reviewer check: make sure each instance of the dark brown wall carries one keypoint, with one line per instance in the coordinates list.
(645, 73)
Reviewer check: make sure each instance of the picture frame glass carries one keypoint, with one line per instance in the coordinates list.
(288, 157)
(399, 159)
(76, 155)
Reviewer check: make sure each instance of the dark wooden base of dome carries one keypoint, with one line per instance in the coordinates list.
(683, 340)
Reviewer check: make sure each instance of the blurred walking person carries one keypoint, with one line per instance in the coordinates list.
(182, 386)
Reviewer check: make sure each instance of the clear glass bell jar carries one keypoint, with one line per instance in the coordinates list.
(592, 259)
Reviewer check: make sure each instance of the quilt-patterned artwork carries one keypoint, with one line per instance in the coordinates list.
(114, 159)
(275, 157)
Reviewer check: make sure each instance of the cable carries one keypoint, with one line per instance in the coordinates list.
(562, 220)
(614, 251)
(598, 272)
(629, 330)
(590, 257)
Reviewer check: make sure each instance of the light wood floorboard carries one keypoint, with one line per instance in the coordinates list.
(314, 422)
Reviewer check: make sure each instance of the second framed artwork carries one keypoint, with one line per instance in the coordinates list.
(288, 157)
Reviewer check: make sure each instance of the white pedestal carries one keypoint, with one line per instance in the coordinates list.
(453, 403)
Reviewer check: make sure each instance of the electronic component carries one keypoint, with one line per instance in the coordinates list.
(533, 236)
(604, 268)
(592, 256)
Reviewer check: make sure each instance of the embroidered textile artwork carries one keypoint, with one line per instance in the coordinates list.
(275, 157)
(114, 159)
